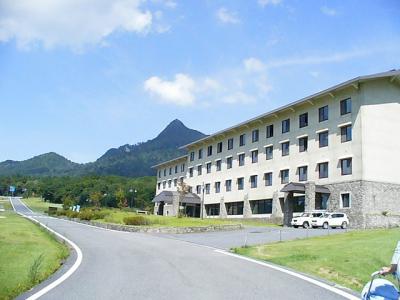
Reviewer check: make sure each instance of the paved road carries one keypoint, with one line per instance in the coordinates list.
(120, 265)
(249, 236)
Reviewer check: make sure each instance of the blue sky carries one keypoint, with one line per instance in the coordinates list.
(81, 76)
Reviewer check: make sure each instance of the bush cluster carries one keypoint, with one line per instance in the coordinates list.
(136, 220)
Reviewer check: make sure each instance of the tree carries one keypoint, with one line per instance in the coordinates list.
(183, 190)
(96, 198)
(121, 199)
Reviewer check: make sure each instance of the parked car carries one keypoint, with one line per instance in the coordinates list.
(332, 220)
(304, 219)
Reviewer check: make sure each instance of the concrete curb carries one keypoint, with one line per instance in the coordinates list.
(171, 230)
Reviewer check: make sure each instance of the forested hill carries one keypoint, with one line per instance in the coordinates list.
(127, 160)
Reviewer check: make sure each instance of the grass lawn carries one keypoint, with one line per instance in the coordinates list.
(22, 243)
(117, 216)
(347, 259)
(38, 205)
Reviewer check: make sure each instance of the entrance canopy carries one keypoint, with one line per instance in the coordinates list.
(168, 197)
(297, 187)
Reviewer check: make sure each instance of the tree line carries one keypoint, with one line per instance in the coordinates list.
(106, 191)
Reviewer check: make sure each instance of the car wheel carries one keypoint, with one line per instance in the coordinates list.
(344, 225)
(325, 225)
(306, 225)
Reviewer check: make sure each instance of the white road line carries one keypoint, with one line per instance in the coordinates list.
(67, 274)
(300, 276)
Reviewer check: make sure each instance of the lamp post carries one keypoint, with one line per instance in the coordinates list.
(202, 202)
(133, 192)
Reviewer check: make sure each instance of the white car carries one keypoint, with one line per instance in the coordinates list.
(304, 219)
(332, 220)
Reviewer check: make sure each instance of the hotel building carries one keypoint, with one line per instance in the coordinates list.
(336, 150)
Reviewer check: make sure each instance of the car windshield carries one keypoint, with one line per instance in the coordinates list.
(304, 214)
(324, 216)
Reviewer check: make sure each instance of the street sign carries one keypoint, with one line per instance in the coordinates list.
(12, 189)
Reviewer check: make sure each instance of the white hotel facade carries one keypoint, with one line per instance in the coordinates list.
(337, 150)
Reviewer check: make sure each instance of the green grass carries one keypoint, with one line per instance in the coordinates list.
(22, 243)
(116, 216)
(5, 202)
(38, 205)
(347, 259)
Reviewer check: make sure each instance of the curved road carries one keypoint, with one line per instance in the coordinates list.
(120, 265)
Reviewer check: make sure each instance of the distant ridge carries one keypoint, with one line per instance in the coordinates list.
(127, 160)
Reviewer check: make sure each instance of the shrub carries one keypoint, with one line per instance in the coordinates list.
(136, 220)
(71, 214)
(100, 214)
(86, 214)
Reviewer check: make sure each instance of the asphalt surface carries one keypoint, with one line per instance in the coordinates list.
(121, 265)
(249, 236)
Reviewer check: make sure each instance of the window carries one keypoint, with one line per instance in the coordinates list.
(164, 184)
(208, 167)
(181, 179)
(170, 171)
(218, 163)
(176, 169)
(303, 173)
(241, 159)
(321, 201)
(190, 172)
(303, 144)
(200, 153)
(346, 166)
(253, 181)
(345, 106)
(191, 156)
(230, 144)
(285, 125)
(199, 170)
(234, 208)
(175, 182)
(228, 185)
(219, 147)
(209, 150)
(242, 139)
(240, 183)
(285, 148)
(270, 131)
(345, 200)
(323, 170)
(268, 179)
(207, 187)
(217, 187)
(285, 176)
(182, 167)
(323, 113)
(254, 156)
(269, 152)
(165, 172)
(229, 162)
(198, 189)
(303, 120)
(159, 174)
(323, 139)
(254, 135)
(169, 183)
(261, 206)
(212, 209)
(159, 185)
(345, 133)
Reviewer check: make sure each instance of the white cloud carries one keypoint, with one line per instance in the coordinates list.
(180, 91)
(328, 11)
(264, 3)
(226, 16)
(252, 64)
(71, 23)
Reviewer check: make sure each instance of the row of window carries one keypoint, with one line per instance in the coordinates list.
(264, 206)
(345, 108)
(346, 136)
(302, 173)
(182, 166)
